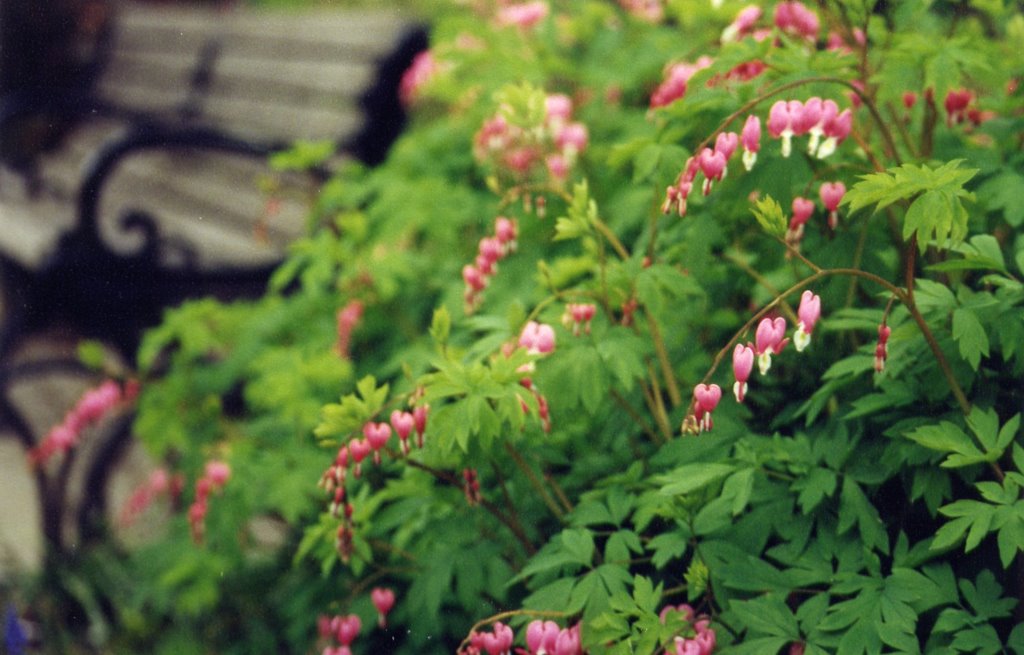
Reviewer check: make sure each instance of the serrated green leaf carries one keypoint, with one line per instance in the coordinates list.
(691, 477)
(1011, 539)
(970, 336)
(739, 486)
(854, 507)
(938, 218)
(666, 547)
(767, 615)
(645, 594)
(1005, 191)
(578, 543)
(1007, 434)
(944, 438)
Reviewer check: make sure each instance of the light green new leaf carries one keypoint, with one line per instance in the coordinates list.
(770, 216)
(938, 218)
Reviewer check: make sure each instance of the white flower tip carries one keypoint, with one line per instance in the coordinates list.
(801, 339)
(739, 389)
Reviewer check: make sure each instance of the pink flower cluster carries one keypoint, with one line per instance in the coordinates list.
(818, 118)
(523, 14)
(497, 642)
(88, 411)
(793, 18)
(548, 638)
(796, 19)
(347, 318)
(831, 194)
(959, 107)
(769, 339)
(343, 629)
(215, 476)
(374, 440)
(744, 24)
(544, 152)
(711, 162)
(537, 339)
(422, 69)
(491, 250)
(160, 482)
(815, 117)
(704, 639)
(577, 316)
(652, 11)
(676, 78)
(882, 347)
(542, 638)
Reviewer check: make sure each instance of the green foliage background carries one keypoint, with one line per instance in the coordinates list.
(849, 510)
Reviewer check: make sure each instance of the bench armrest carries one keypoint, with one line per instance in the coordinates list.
(154, 138)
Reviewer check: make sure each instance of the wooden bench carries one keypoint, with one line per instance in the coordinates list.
(182, 87)
(162, 191)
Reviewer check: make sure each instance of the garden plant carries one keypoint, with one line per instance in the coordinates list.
(667, 327)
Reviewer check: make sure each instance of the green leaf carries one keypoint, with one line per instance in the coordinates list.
(691, 477)
(696, 577)
(739, 486)
(767, 615)
(938, 218)
(936, 212)
(441, 326)
(757, 646)
(645, 594)
(578, 543)
(970, 336)
(1011, 537)
(92, 354)
(666, 547)
(1005, 192)
(818, 484)
(580, 217)
(770, 216)
(948, 438)
(854, 507)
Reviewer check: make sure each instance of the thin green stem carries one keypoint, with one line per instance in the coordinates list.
(534, 481)
(635, 415)
(671, 385)
(509, 522)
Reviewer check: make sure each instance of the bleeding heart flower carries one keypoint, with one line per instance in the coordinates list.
(751, 139)
(383, 599)
(706, 398)
(808, 313)
(377, 435)
(831, 195)
(769, 339)
(541, 637)
(404, 423)
(742, 365)
(358, 449)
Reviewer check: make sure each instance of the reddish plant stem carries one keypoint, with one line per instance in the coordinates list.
(509, 522)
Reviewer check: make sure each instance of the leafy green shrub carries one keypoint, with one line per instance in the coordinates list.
(864, 497)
